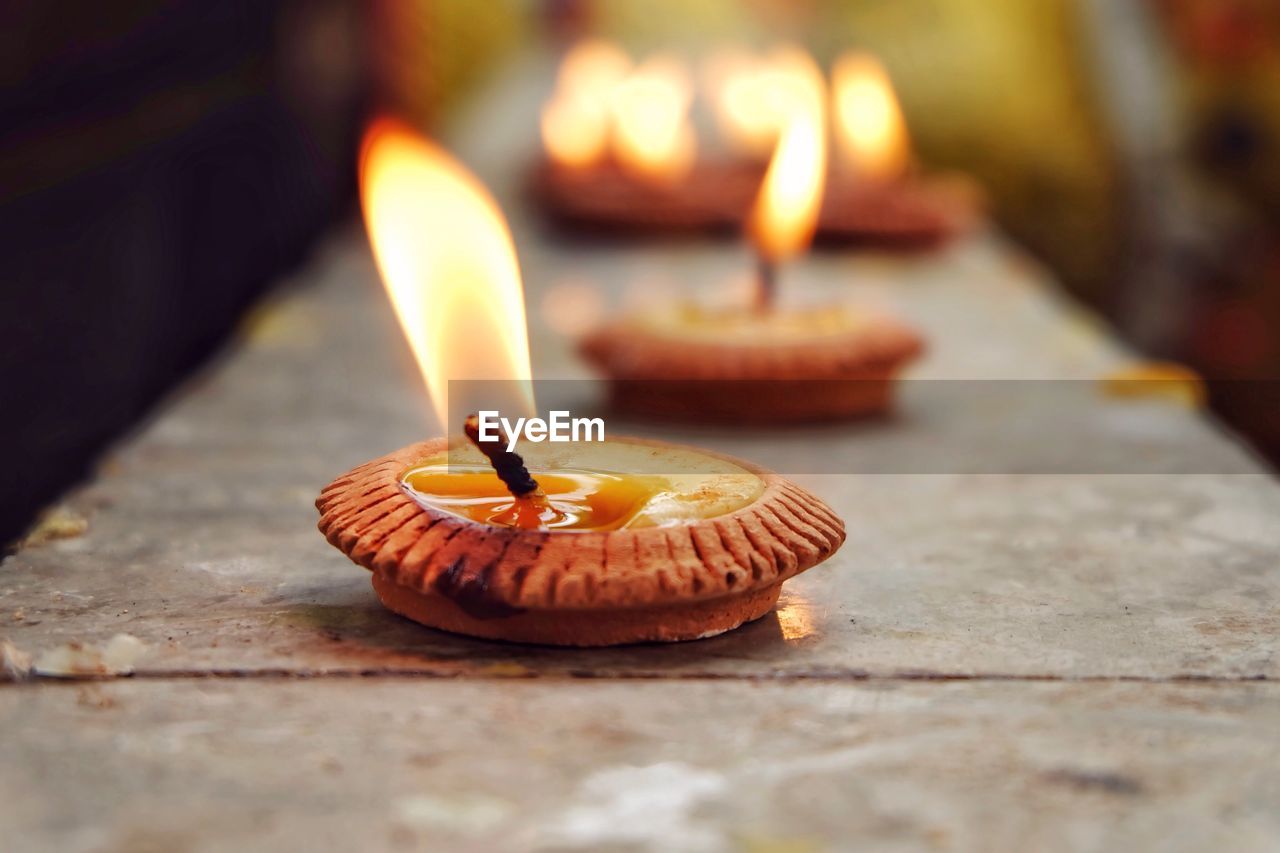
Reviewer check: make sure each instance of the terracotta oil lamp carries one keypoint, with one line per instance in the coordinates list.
(763, 362)
(583, 544)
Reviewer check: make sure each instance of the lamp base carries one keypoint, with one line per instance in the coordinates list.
(669, 623)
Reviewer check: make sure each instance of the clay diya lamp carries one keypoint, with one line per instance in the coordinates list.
(621, 152)
(609, 199)
(761, 363)
(747, 366)
(622, 541)
(907, 213)
(590, 543)
(874, 196)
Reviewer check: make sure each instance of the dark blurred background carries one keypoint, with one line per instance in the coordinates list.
(163, 162)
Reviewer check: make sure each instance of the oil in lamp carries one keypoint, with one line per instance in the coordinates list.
(762, 363)
(581, 544)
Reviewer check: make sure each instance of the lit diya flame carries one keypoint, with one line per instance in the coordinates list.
(652, 134)
(575, 122)
(868, 120)
(785, 214)
(753, 98)
(449, 265)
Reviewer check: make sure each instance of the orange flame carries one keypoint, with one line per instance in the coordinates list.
(449, 265)
(650, 108)
(785, 214)
(868, 120)
(575, 121)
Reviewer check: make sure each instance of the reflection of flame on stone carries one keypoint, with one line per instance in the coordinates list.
(795, 617)
(572, 307)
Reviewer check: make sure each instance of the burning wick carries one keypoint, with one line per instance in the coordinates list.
(506, 463)
(531, 501)
(785, 214)
(766, 283)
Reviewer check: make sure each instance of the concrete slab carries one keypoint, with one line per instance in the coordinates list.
(373, 764)
(200, 532)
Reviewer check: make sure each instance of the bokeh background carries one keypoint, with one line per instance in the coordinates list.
(162, 163)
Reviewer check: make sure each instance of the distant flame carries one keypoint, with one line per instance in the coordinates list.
(575, 130)
(868, 121)
(449, 265)
(592, 67)
(733, 81)
(575, 122)
(653, 136)
(785, 214)
(602, 107)
(753, 97)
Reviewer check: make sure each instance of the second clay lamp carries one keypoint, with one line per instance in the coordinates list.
(762, 363)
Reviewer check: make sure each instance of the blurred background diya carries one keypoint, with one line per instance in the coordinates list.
(622, 149)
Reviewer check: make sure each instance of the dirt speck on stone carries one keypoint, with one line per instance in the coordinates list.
(92, 696)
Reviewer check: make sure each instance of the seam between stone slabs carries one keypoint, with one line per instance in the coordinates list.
(582, 675)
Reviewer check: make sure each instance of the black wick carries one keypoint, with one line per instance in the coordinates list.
(767, 283)
(506, 464)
